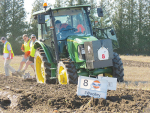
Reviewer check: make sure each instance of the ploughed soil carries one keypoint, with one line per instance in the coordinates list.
(18, 95)
(135, 63)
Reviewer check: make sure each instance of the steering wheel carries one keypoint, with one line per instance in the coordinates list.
(73, 29)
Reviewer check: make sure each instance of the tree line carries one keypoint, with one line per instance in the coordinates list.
(131, 19)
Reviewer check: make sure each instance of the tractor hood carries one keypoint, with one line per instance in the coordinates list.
(74, 43)
(81, 39)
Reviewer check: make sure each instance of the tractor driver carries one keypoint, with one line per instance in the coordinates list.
(60, 26)
(62, 31)
(63, 28)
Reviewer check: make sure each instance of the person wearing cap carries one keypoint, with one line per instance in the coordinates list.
(60, 26)
(8, 56)
(26, 49)
(31, 56)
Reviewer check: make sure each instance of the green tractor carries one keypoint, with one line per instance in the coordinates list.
(75, 41)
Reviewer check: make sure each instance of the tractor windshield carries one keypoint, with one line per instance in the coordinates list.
(70, 22)
(104, 28)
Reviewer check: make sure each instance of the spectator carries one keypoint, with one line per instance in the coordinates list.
(31, 57)
(8, 56)
(26, 49)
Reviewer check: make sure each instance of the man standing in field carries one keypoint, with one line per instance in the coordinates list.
(26, 49)
(7, 55)
(31, 56)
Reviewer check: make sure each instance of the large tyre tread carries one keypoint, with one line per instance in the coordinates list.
(71, 70)
(118, 70)
(47, 67)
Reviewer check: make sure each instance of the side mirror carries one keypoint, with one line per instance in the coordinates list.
(112, 32)
(41, 19)
(100, 12)
(35, 17)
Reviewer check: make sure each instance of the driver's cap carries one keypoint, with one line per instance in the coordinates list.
(57, 21)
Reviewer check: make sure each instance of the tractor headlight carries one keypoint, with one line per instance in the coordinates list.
(81, 52)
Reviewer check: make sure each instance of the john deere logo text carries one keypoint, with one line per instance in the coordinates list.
(96, 84)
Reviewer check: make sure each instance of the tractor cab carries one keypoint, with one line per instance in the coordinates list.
(76, 21)
(71, 22)
(75, 41)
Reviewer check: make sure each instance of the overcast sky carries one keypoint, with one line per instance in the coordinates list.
(28, 7)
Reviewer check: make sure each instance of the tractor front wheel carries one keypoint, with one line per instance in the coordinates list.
(42, 67)
(66, 73)
(118, 70)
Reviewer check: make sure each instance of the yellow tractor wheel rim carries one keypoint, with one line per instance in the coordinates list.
(62, 76)
(40, 71)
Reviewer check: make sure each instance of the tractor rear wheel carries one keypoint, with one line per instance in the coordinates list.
(118, 70)
(42, 67)
(66, 72)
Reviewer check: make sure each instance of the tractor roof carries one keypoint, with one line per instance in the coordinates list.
(43, 11)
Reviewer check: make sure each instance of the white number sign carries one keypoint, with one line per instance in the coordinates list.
(92, 87)
(112, 82)
(103, 53)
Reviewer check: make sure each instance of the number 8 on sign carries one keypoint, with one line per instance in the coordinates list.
(85, 82)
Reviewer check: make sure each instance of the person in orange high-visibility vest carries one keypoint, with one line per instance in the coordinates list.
(7, 56)
(31, 55)
(26, 49)
(80, 27)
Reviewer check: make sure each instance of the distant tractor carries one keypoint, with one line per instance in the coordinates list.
(71, 44)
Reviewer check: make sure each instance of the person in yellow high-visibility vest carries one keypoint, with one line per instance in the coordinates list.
(7, 56)
(31, 57)
(26, 50)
